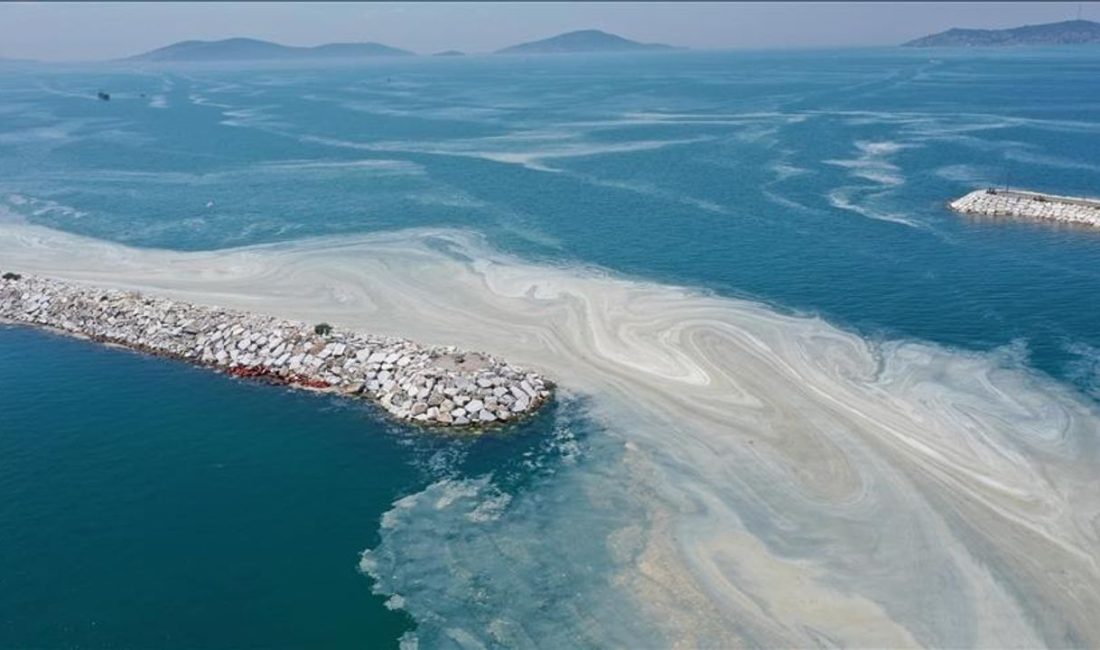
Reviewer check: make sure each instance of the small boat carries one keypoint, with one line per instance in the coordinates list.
(103, 96)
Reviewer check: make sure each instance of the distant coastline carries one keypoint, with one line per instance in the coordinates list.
(1070, 32)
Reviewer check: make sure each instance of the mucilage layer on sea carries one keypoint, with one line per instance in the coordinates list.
(777, 481)
(799, 401)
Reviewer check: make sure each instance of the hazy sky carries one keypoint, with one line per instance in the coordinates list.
(63, 31)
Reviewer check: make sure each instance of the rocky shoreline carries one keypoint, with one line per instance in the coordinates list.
(425, 385)
(1029, 205)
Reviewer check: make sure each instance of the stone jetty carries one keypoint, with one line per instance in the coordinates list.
(431, 386)
(1030, 205)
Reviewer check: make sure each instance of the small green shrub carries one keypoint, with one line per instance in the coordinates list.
(12, 276)
(322, 329)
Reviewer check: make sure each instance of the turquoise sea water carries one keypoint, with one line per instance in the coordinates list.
(150, 504)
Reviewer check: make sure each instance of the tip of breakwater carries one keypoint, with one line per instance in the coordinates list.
(1028, 205)
(431, 386)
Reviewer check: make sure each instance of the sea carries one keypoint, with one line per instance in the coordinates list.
(800, 402)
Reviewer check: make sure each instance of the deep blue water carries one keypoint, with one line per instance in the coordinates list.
(814, 181)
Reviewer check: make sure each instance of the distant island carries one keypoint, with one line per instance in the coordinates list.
(1070, 32)
(587, 40)
(250, 49)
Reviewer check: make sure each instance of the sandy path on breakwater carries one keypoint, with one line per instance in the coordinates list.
(804, 485)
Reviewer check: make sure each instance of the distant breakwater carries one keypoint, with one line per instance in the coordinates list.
(432, 386)
(1030, 205)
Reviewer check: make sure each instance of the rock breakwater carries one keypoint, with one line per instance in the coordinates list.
(429, 385)
(1030, 205)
